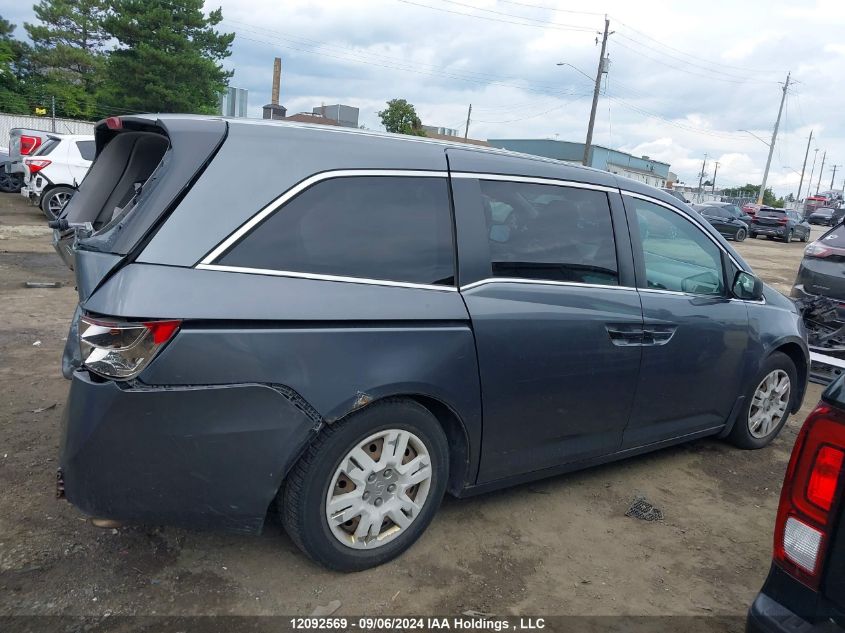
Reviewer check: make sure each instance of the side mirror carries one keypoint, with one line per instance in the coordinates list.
(747, 287)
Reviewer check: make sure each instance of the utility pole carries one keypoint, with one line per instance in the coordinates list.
(53, 111)
(701, 177)
(469, 112)
(599, 72)
(819, 182)
(812, 171)
(833, 176)
(772, 145)
(715, 171)
(804, 166)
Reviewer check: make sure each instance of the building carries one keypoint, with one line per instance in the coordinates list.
(442, 131)
(234, 101)
(345, 115)
(308, 117)
(642, 168)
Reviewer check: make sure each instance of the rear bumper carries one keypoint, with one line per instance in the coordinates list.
(207, 456)
(769, 616)
(768, 230)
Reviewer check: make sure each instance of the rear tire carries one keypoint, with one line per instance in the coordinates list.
(356, 453)
(54, 201)
(788, 237)
(761, 419)
(752, 235)
(740, 235)
(10, 183)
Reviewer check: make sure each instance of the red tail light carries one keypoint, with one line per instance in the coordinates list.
(811, 490)
(36, 164)
(29, 144)
(783, 220)
(121, 349)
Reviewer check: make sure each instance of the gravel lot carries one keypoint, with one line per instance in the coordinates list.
(558, 546)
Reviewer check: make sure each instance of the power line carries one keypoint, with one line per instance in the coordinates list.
(533, 116)
(559, 27)
(677, 50)
(537, 6)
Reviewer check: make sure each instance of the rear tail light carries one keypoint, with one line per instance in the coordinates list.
(29, 144)
(121, 349)
(783, 220)
(818, 251)
(811, 490)
(36, 164)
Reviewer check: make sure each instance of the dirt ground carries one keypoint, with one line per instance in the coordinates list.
(558, 546)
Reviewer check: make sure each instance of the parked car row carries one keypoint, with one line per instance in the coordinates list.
(754, 220)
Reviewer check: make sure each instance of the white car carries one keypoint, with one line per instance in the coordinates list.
(55, 170)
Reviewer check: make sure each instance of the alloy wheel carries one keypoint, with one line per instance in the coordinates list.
(379, 489)
(57, 202)
(769, 404)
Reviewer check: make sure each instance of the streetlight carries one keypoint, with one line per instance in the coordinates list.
(766, 143)
(575, 68)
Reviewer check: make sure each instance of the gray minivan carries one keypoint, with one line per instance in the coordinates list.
(378, 319)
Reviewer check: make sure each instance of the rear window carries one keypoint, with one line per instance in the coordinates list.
(46, 147)
(371, 227)
(86, 149)
(770, 213)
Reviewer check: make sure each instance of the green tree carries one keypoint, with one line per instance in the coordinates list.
(401, 117)
(67, 54)
(167, 58)
(11, 97)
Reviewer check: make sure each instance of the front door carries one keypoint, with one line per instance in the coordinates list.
(556, 321)
(696, 336)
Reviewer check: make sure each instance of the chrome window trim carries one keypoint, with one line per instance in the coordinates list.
(540, 282)
(298, 188)
(535, 180)
(318, 277)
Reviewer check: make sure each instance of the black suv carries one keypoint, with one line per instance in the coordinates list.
(728, 219)
(378, 319)
(784, 224)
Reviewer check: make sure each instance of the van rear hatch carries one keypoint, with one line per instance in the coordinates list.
(143, 167)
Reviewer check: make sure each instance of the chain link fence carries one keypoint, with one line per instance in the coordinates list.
(62, 126)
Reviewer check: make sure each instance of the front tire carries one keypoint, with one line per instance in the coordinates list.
(368, 486)
(740, 235)
(767, 405)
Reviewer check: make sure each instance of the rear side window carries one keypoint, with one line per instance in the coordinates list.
(46, 147)
(549, 232)
(86, 149)
(392, 228)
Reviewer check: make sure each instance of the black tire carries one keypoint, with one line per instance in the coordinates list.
(50, 201)
(740, 235)
(303, 507)
(10, 183)
(740, 434)
(752, 235)
(788, 237)
(806, 236)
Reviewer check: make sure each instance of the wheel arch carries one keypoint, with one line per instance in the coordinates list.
(797, 355)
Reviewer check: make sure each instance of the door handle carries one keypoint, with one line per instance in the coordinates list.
(625, 335)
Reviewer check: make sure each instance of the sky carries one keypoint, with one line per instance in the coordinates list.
(685, 78)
